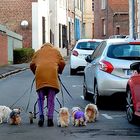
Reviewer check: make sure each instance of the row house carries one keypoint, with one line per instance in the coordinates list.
(58, 24)
(88, 19)
(70, 22)
(111, 17)
(61, 22)
(13, 14)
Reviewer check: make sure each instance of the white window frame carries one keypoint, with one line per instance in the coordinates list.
(103, 27)
(103, 4)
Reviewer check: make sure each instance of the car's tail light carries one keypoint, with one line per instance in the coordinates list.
(75, 53)
(106, 66)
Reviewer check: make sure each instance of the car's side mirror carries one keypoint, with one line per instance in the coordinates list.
(88, 59)
(135, 66)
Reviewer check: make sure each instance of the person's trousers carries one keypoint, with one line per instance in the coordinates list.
(50, 93)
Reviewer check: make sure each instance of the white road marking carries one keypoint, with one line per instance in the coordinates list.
(107, 116)
(76, 85)
(118, 116)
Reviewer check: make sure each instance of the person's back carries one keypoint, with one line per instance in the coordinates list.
(47, 63)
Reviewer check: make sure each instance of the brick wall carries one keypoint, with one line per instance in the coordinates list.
(12, 12)
(3, 49)
(111, 21)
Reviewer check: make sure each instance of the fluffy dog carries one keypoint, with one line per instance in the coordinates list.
(10, 116)
(78, 117)
(63, 117)
(15, 118)
(91, 112)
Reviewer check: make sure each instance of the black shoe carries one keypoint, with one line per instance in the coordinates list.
(41, 121)
(50, 122)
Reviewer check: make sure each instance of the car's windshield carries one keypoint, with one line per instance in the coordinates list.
(124, 51)
(90, 45)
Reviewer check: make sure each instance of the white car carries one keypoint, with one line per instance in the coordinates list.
(82, 48)
(108, 68)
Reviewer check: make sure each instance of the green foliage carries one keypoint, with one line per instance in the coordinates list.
(23, 55)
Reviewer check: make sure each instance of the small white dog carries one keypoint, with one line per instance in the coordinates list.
(63, 117)
(10, 116)
(91, 112)
(78, 117)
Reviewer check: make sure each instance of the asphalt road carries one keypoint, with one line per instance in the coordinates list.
(111, 124)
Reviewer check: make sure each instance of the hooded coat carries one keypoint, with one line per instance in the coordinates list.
(46, 64)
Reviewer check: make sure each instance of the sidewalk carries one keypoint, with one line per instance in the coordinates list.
(11, 69)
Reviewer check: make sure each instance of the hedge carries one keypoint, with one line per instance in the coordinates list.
(22, 55)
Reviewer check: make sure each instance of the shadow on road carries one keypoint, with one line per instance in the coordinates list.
(115, 102)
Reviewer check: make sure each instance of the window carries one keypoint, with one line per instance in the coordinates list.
(69, 32)
(98, 51)
(89, 45)
(103, 4)
(59, 35)
(103, 27)
(43, 30)
(124, 51)
(117, 30)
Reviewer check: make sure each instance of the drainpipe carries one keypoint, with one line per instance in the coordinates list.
(107, 19)
(82, 6)
(74, 23)
(132, 18)
(138, 18)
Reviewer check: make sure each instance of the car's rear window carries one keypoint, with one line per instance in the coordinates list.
(124, 51)
(87, 45)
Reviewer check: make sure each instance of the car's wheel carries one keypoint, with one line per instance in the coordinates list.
(130, 107)
(72, 71)
(96, 95)
(85, 93)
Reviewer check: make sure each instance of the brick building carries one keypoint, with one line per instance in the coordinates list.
(13, 12)
(3, 48)
(110, 17)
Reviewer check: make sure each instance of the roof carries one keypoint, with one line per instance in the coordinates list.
(85, 40)
(121, 41)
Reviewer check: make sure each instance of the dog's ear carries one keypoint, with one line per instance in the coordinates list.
(17, 110)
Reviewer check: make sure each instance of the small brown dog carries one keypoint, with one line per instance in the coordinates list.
(11, 116)
(63, 117)
(91, 112)
(15, 118)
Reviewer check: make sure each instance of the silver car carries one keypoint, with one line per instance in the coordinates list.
(108, 68)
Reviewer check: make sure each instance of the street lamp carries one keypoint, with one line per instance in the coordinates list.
(24, 24)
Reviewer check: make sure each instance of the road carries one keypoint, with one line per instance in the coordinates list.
(16, 90)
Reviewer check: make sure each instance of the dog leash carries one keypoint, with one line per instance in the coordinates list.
(26, 91)
(30, 95)
(19, 98)
(67, 90)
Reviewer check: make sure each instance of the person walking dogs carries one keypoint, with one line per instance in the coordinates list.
(46, 64)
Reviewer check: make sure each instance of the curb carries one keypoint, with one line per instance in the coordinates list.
(11, 72)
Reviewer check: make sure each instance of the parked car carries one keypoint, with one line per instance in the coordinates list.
(117, 36)
(82, 48)
(108, 68)
(133, 94)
